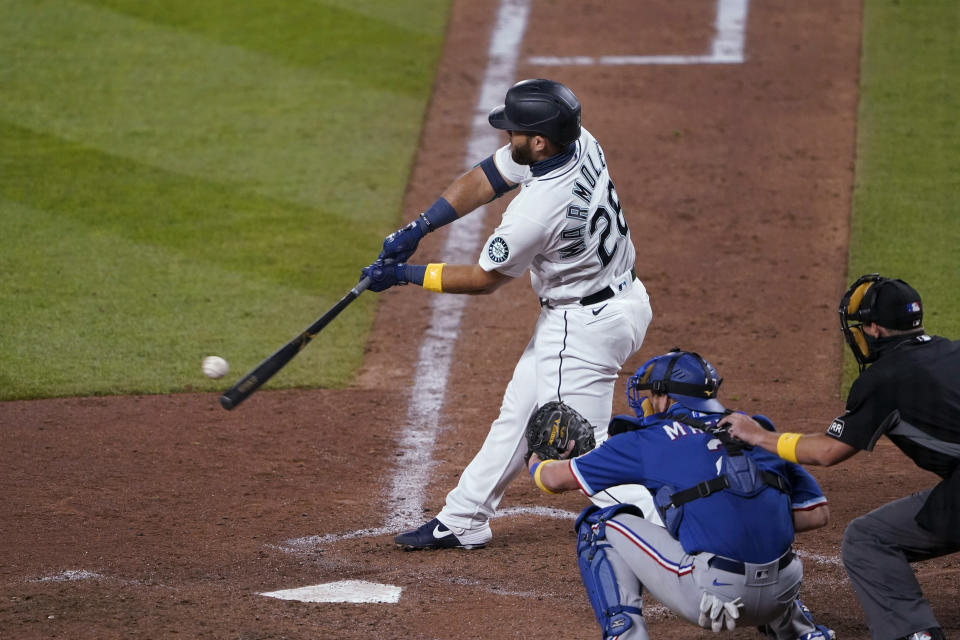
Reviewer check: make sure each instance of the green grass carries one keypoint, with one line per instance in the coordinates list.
(186, 178)
(906, 210)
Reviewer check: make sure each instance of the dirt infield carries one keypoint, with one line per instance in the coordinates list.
(166, 517)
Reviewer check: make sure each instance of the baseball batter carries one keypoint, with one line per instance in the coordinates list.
(566, 226)
(724, 556)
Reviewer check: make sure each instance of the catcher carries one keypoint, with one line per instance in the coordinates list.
(724, 556)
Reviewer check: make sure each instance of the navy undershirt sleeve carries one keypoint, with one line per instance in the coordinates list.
(496, 180)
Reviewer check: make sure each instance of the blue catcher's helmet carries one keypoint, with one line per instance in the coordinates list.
(683, 375)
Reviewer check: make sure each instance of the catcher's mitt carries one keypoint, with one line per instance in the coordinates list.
(553, 427)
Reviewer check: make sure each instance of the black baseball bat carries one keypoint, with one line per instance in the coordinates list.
(249, 383)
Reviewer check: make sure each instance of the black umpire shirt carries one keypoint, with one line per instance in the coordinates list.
(912, 394)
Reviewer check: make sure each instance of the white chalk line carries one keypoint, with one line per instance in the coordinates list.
(80, 575)
(410, 481)
(313, 543)
(352, 591)
(727, 46)
(820, 559)
(360, 591)
(651, 611)
(71, 575)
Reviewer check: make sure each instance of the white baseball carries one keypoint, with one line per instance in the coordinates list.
(215, 367)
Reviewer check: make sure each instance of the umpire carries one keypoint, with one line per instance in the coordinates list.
(910, 392)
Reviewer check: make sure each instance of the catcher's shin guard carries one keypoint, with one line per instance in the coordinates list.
(597, 573)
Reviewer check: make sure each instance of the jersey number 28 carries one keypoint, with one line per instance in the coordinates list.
(602, 213)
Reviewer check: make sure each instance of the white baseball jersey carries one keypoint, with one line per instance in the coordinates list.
(566, 226)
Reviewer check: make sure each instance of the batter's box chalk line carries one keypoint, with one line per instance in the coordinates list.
(818, 558)
(80, 575)
(727, 46)
(312, 543)
(71, 575)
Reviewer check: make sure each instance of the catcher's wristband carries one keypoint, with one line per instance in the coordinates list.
(787, 446)
(535, 472)
(432, 276)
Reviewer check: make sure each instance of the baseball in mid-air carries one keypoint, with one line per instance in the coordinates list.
(215, 367)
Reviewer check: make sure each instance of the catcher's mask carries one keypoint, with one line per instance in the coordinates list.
(683, 375)
(890, 303)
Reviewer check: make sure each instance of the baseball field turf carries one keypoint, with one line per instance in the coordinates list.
(188, 178)
(906, 215)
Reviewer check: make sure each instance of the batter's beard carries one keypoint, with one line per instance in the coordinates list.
(522, 155)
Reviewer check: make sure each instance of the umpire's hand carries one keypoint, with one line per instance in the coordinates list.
(743, 427)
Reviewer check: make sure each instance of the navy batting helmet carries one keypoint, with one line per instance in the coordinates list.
(683, 375)
(540, 106)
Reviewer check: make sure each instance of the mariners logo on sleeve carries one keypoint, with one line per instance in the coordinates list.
(498, 250)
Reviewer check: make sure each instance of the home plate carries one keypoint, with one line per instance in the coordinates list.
(343, 591)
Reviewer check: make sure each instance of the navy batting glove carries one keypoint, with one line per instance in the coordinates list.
(401, 244)
(384, 274)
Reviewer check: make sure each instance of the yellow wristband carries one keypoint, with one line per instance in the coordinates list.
(431, 278)
(787, 446)
(536, 477)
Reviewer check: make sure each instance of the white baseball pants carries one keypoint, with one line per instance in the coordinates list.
(575, 355)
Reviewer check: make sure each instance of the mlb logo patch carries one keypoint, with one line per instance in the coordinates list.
(836, 428)
(913, 307)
